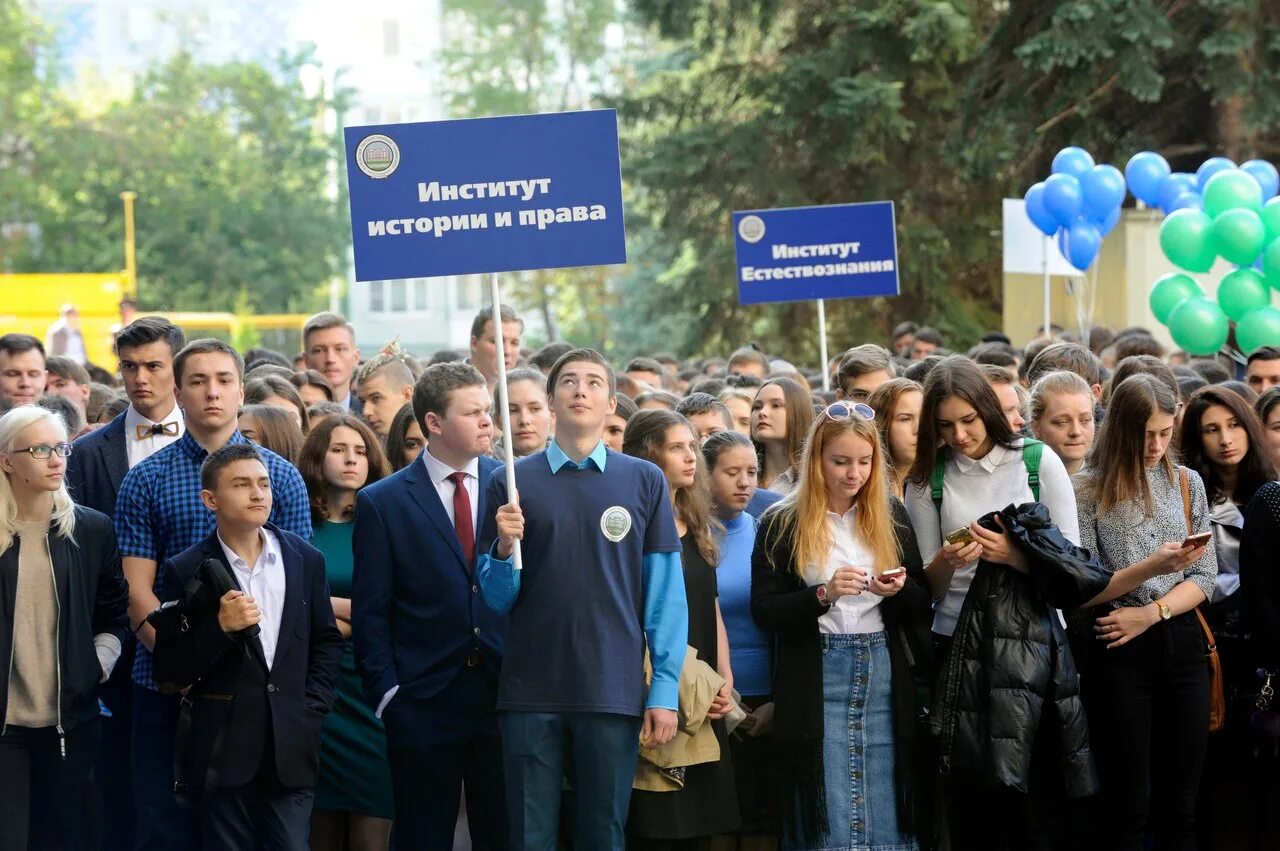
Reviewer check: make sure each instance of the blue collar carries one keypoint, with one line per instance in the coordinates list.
(557, 459)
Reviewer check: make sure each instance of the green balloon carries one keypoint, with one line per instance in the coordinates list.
(1199, 326)
(1238, 236)
(1242, 292)
(1271, 264)
(1185, 237)
(1169, 291)
(1258, 329)
(1271, 219)
(1232, 189)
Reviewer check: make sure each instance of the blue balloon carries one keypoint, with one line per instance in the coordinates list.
(1073, 161)
(1186, 201)
(1062, 198)
(1036, 212)
(1144, 173)
(1266, 175)
(1083, 242)
(1103, 190)
(1209, 168)
(1174, 185)
(1108, 224)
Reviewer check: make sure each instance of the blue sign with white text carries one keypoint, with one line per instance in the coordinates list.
(806, 253)
(485, 195)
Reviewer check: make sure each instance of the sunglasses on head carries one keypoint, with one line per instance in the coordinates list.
(847, 410)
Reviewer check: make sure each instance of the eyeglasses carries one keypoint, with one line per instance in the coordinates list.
(846, 411)
(42, 451)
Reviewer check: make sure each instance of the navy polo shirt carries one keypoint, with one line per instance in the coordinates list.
(576, 635)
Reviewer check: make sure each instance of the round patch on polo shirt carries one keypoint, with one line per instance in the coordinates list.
(615, 523)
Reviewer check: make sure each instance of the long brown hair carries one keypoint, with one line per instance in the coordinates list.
(960, 377)
(1256, 467)
(277, 430)
(316, 446)
(884, 401)
(803, 512)
(645, 437)
(798, 405)
(1117, 466)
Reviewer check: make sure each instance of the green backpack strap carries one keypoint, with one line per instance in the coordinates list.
(935, 481)
(1031, 452)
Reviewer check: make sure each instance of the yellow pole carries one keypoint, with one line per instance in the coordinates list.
(130, 257)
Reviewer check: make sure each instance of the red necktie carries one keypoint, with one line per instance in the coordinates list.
(462, 517)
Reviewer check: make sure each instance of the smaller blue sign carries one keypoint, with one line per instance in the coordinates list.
(513, 193)
(807, 253)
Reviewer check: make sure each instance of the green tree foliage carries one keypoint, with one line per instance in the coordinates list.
(944, 106)
(235, 204)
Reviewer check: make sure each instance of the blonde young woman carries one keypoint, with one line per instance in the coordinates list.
(63, 617)
(1062, 417)
(837, 578)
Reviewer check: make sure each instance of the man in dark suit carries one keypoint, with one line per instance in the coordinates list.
(427, 645)
(261, 668)
(96, 468)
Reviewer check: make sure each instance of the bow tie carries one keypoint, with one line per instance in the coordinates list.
(145, 431)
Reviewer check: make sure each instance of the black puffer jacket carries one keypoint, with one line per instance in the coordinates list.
(1009, 659)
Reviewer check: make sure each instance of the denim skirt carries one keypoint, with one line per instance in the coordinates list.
(858, 753)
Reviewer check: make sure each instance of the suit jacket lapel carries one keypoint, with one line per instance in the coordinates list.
(423, 492)
(213, 549)
(116, 450)
(292, 587)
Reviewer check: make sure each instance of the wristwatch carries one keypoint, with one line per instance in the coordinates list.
(822, 595)
(1165, 611)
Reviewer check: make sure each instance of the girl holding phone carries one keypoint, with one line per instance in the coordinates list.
(837, 579)
(1144, 682)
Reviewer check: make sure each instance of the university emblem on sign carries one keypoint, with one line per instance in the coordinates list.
(615, 523)
(751, 229)
(377, 156)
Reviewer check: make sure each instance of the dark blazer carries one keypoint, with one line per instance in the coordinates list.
(416, 607)
(782, 604)
(92, 599)
(234, 695)
(98, 465)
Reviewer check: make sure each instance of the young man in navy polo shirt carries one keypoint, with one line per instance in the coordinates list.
(601, 581)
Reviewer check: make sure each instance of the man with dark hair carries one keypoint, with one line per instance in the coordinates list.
(1263, 369)
(1071, 357)
(927, 340)
(385, 385)
(646, 371)
(484, 351)
(545, 358)
(748, 361)
(572, 697)
(904, 334)
(995, 354)
(145, 348)
(1210, 370)
(861, 370)
(67, 379)
(22, 372)
(159, 513)
(329, 342)
(427, 646)
(706, 414)
(1135, 342)
(260, 664)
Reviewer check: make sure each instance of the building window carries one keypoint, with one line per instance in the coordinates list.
(399, 290)
(377, 297)
(420, 295)
(390, 38)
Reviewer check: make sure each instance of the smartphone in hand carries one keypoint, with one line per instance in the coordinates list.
(1197, 540)
(963, 535)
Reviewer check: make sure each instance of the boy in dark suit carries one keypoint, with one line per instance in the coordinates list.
(261, 669)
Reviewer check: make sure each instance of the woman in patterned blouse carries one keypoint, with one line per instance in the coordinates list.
(1145, 682)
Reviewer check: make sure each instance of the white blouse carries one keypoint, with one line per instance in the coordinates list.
(850, 613)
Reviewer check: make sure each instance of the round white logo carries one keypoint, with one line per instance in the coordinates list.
(615, 523)
(377, 156)
(751, 229)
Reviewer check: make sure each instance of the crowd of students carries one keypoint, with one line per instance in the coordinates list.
(992, 600)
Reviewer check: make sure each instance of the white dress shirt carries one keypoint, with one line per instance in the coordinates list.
(972, 488)
(440, 473)
(850, 613)
(265, 583)
(140, 449)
